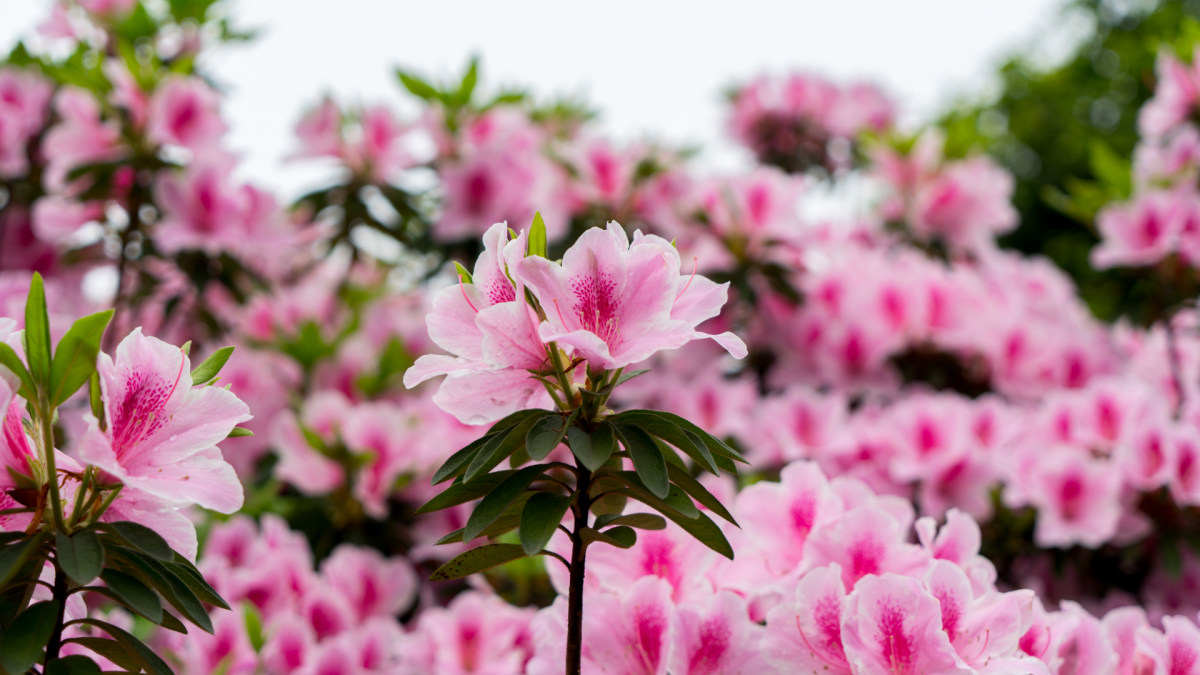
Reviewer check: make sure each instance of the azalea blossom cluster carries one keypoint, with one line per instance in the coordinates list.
(1161, 217)
(914, 397)
(802, 120)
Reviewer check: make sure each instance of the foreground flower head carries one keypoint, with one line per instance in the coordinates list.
(161, 432)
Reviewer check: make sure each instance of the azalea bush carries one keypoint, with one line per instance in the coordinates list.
(508, 396)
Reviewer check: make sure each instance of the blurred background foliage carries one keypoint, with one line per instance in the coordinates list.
(1067, 131)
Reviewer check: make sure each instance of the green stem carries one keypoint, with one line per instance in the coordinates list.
(46, 413)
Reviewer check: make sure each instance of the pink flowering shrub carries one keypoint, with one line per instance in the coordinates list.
(953, 465)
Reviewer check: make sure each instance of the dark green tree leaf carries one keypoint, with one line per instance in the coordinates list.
(134, 594)
(112, 650)
(80, 555)
(462, 492)
(76, 664)
(497, 501)
(697, 491)
(540, 518)
(477, 560)
(593, 449)
(145, 657)
(23, 644)
(143, 539)
(621, 537)
(544, 435)
(648, 460)
(644, 521)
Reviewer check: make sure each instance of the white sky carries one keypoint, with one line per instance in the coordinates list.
(654, 68)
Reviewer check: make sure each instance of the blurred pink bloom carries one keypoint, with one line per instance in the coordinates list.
(185, 112)
(476, 634)
(1175, 96)
(372, 585)
(24, 104)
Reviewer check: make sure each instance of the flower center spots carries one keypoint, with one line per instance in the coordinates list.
(596, 305)
(896, 645)
(500, 290)
(140, 413)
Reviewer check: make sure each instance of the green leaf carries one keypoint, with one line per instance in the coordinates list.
(239, 432)
(145, 658)
(621, 537)
(495, 502)
(593, 449)
(14, 556)
(463, 275)
(186, 572)
(463, 491)
(75, 664)
(37, 334)
(96, 399)
(133, 594)
(457, 463)
(509, 521)
(696, 524)
(10, 360)
(254, 626)
(417, 86)
(697, 491)
(544, 435)
(500, 447)
(687, 443)
(477, 560)
(75, 356)
(714, 444)
(645, 521)
(23, 644)
(110, 649)
(143, 539)
(80, 555)
(537, 236)
(648, 460)
(172, 580)
(206, 372)
(543, 512)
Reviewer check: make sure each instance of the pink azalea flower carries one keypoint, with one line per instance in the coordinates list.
(1077, 499)
(805, 632)
(718, 638)
(893, 625)
(320, 131)
(617, 303)
(1175, 96)
(634, 633)
(186, 112)
(162, 433)
(476, 634)
(490, 329)
(373, 585)
(80, 138)
(1143, 231)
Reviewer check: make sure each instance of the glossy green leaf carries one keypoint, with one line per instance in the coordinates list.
(477, 560)
(96, 399)
(593, 449)
(497, 501)
(544, 435)
(143, 539)
(186, 572)
(254, 625)
(621, 537)
(537, 236)
(507, 522)
(10, 360)
(642, 521)
(648, 460)
(75, 356)
(457, 464)
(211, 367)
(23, 644)
(500, 447)
(75, 664)
(462, 492)
(697, 491)
(13, 556)
(110, 649)
(80, 555)
(239, 432)
(463, 275)
(143, 655)
(715, 445)
(540, 518)
(133, 594)
(37, 333)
